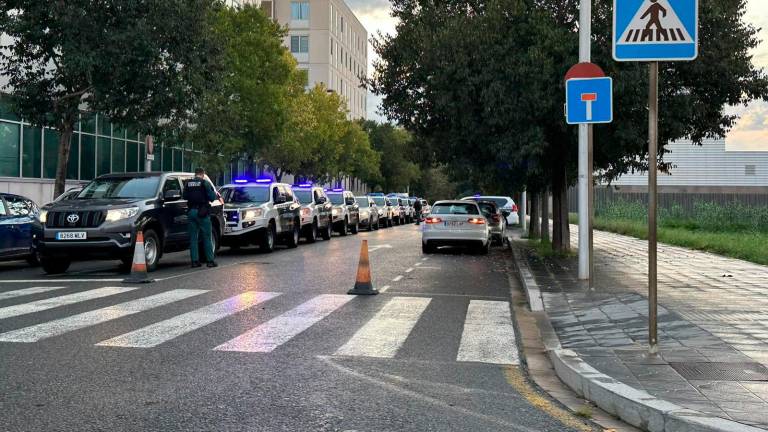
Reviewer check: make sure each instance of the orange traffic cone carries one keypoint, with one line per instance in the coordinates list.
(139, 267)
(363, 285)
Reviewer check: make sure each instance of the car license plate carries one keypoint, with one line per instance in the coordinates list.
(79, 235)
(453, 223)
(227, 229)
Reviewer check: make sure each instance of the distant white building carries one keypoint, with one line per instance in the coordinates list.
(706, 168)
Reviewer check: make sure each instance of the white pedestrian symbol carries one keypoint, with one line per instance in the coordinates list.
(654, 22)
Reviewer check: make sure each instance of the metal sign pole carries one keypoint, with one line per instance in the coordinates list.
(653, 137)
(591, 212)
(585, 56)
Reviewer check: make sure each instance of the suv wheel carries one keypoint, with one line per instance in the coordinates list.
(327, 231)
(344, 227)
(54, 265)
(356, 227)
(152, 249)
(427, 248)
(293, 240)
(34, 258)
(267, 243)
(312, 232)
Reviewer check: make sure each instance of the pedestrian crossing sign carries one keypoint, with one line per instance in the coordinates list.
(655, 30)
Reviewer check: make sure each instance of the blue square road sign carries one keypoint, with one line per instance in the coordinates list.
(589, 100)
(655, 30)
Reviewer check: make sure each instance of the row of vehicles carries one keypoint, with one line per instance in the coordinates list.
(101, 220)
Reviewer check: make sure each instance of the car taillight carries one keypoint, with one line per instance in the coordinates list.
(477, 221)
(432, 220)
(514, 208)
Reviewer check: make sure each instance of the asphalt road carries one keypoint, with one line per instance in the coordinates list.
(267, 342)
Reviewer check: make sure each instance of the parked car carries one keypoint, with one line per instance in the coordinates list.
(20, 229)
(387, 213)
(425, 208)
(410, 213)
(399, 209)
(102, 221)
(260, 212)
(456, 223)
(369, 213)
(495, 218)
(505, 203)
(346, 212)
(316, 212)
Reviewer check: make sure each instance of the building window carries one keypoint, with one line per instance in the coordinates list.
(118, 155)
(300, 10)
(266, 7)
(104, 156)
(299, 44)
(32, 158)
(87, 157)
(750, 170)
(10, 139)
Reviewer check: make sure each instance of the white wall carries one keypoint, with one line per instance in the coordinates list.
(39, 191)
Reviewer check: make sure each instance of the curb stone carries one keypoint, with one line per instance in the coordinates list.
(633, 406)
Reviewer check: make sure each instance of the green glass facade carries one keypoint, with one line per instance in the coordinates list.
(98, 147)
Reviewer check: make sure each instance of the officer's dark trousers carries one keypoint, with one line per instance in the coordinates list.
(199, 225)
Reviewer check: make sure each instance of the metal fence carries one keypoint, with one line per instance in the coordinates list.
(685, 201)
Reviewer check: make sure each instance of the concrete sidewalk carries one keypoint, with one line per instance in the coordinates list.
(713, 325)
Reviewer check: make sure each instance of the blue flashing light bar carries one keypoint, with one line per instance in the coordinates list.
(241, 181)
(304, 185)
(337, 190)
(263, 180)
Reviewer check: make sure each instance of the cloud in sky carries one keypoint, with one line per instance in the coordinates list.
(374, 14)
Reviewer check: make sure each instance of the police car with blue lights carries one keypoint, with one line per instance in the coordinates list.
(346, 211)
(316, 212)
(387, 214)
(260, 212)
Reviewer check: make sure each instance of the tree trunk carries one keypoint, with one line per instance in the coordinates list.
(65, 145)
(279, 175)
(561, 236)
(545, 215)
(534, 229)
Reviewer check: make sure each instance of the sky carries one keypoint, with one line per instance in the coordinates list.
(749, 134)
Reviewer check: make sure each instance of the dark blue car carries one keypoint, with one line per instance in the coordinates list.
(19, 228)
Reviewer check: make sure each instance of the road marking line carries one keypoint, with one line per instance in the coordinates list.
(387, 331)
(417, 264)
(28, 291)
(410, 269)
(424, 259)
(488, 335)
(384, 288)
(75, 322)
(279, 330)
(397, 278)
(65, 300)
(57, 280)
(163, 331)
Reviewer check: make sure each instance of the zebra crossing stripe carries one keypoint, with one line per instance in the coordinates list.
(45, 304)
(75, 322)
(488, 336)
(28, 291)
(387, 331)
(281, 329)
(164, 331)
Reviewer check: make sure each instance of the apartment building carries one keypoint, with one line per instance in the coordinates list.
(328, 42)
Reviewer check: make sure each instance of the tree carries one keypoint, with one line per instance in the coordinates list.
(398, 171)
(142, 63)
(481, 86)
(357, 158)
(250, 106)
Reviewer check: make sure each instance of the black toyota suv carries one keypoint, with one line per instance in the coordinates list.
(102, 220)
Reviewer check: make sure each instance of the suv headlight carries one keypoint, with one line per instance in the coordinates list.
(336, 211)
(43, 216)
(252, 214)
(115, 215)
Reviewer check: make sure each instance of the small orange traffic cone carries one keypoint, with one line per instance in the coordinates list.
(139, 267)
(363, 285)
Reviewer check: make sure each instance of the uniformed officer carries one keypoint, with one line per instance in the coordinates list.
(199, 193)
(417, 210)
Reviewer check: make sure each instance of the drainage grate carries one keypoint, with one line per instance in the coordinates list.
(717, 371)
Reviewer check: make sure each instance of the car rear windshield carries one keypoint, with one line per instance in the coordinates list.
(304, 195)
(246, 194)
(380, 201)
(121, 187)
(457, 209)
(336, 198)
(363, 202)
(488, 209)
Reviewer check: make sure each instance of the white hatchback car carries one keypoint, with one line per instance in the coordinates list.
(505, 203)
(455, 223)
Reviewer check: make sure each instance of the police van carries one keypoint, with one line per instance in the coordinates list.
(260, 212)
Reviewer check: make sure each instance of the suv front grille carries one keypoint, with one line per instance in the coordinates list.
(85, 219)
